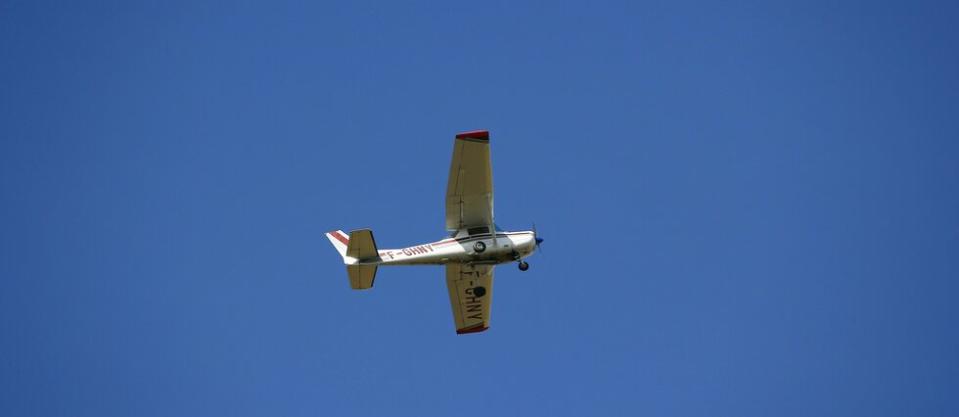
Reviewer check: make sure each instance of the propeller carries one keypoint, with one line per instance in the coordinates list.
(538, 239)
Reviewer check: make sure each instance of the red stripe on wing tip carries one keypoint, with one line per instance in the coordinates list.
(475, 134)
(339, 236)
(475, 329)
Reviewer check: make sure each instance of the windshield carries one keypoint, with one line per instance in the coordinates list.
(475, 230)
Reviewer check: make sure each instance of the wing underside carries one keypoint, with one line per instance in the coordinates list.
(469, 192)
(471, 294)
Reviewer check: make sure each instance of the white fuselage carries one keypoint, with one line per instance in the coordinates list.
(505, 247)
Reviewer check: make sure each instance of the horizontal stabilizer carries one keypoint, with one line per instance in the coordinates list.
(361, 276)
(362, 248)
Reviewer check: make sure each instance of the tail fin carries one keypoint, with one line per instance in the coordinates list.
(359, 254)
(340, 241)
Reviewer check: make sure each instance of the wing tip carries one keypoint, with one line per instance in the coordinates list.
(474, 329)
(474, 134)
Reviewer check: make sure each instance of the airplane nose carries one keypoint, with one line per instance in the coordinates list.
(539, 240)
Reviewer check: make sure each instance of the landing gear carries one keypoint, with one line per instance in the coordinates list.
(479, 247)
(523, 265)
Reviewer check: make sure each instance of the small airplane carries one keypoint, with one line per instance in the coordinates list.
(474, 246)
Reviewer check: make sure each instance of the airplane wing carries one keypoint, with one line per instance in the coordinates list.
(469, 192)
(471, 293)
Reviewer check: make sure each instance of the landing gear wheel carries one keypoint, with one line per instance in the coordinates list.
(523, 265)
(479, 247)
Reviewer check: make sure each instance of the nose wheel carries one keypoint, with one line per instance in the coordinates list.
(523, 265)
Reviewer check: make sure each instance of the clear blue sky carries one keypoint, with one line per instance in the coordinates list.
(749, 209)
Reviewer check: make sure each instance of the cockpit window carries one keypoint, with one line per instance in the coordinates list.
(477, 230)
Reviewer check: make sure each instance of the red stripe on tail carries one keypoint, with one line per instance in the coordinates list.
(339, 236)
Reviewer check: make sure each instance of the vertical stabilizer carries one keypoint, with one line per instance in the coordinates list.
(340, 241)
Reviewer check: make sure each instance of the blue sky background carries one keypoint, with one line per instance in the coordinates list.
(749, 209)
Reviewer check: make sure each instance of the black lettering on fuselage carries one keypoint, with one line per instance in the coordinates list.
(418, 250)
(474, 307)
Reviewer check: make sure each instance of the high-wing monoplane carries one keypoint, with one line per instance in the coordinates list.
(474, 246)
